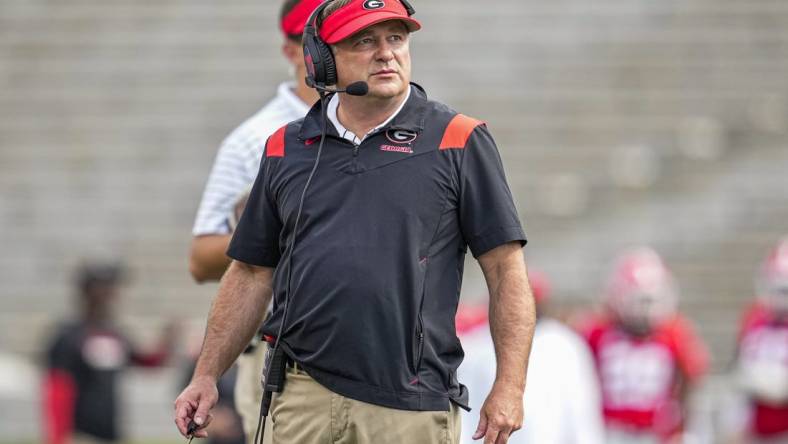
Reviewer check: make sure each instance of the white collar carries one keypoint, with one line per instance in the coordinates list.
(286, 92)
(333, 106)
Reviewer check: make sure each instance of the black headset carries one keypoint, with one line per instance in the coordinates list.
(321, 69)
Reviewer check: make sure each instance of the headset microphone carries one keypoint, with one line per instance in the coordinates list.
(360, 88)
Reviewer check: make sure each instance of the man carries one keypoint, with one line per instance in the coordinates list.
(232, 175)
(563, 393)
(84, 360)
(239, 156)
(403, 187)
(762, 359)
(647, 355)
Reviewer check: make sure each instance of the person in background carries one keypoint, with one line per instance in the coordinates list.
(762, 358)
(230, 180)
(563, 400)
(84, 360)
(239, 156)
(647, 355)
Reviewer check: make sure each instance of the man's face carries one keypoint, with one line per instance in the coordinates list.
(378, 55)
(294, 52)
(100, 299)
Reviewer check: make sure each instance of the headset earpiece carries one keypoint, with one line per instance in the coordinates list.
(329, 68)
(318, 58)
(408, 7)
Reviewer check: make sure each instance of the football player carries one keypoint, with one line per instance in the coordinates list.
(647, 355)
(762, 358)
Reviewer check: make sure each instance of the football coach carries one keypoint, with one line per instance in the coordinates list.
(357, 225)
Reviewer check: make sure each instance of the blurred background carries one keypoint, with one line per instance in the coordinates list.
(620, 123)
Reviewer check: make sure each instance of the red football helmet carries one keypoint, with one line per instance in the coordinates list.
(641, 291)
(772, 284)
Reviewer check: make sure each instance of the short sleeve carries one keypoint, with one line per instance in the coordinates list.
(229, 180)
(692, 356)
(256, 238)
(488, 217)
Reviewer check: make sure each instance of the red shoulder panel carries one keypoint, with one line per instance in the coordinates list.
(275, 147)
(458, 131)
(691, 353)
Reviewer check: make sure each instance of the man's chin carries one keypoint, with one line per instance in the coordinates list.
(385, 91)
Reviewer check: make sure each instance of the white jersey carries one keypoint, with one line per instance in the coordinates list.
(238, 160)
(562, 400)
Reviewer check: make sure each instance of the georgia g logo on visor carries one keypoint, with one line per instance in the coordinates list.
(374, 4)
(401, 136)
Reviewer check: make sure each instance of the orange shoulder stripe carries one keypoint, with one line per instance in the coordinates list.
(275, 146)
(458, 131)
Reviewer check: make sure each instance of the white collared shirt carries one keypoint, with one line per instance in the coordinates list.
(238, 160)
(333, 106)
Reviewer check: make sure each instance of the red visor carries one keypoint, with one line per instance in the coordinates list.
(360, 14)
(294, 22)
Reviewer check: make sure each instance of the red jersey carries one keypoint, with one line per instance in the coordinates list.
(640, 376)
(763, 339)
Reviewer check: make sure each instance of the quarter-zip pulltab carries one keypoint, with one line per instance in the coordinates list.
(355, 150)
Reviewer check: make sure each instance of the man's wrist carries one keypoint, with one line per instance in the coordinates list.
(510, 383)
(204, 378)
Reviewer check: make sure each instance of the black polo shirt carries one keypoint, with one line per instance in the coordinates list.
(378, 260)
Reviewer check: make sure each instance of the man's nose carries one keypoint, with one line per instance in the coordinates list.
(385, 51)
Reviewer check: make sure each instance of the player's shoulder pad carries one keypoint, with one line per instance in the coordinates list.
(457, 132)
(275, 146)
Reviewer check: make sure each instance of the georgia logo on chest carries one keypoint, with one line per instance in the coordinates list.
(635, 375)
(402, 138)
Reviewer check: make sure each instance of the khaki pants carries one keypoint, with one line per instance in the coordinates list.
(308, 413)
(249, 390)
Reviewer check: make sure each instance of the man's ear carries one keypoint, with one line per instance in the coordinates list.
(292, 51)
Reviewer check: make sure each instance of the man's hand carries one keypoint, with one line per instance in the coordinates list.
(235, 316)
(194, 404)
(501, 415)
